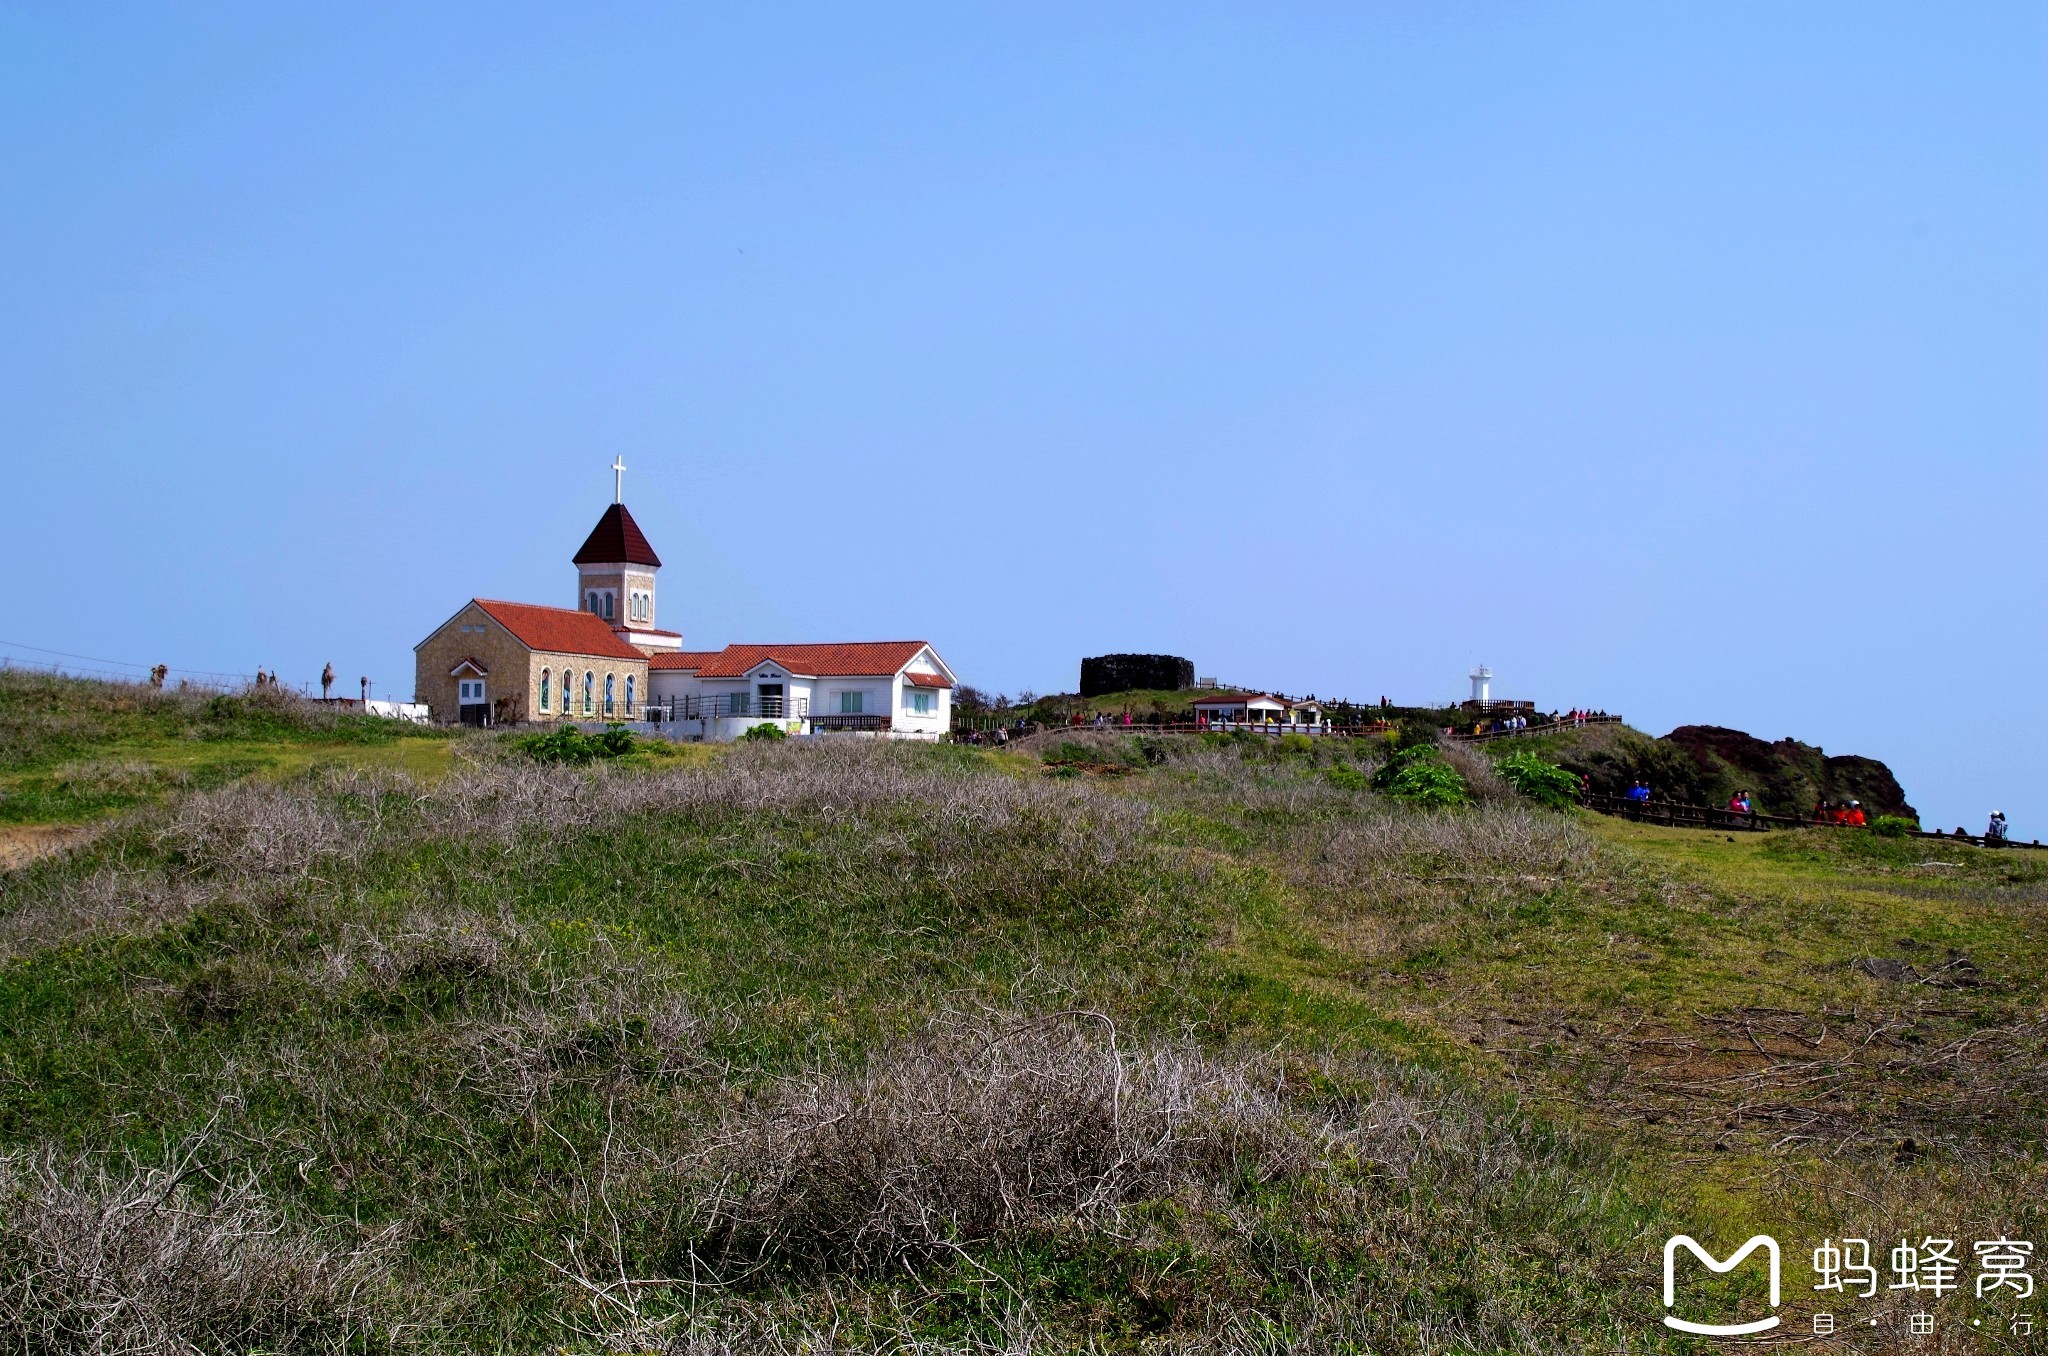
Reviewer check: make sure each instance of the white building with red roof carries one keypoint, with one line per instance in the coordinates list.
(497, 663)
(899, 688)
(1262, 709)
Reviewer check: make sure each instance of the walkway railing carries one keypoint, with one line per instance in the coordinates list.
(872, 722)
(727, 704)
(1547, 727)
(1677, 816)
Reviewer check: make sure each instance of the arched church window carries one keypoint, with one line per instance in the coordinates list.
(543, 689)
(608, 694)
(629, 694)
(588, 680)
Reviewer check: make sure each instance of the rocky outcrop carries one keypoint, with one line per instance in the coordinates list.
(1706, 764)
(1789, 775)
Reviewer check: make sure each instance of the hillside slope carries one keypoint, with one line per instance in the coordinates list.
(1190, 1047)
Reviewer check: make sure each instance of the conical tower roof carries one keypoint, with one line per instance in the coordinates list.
(617, 538)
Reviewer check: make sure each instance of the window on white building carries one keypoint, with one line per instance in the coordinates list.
(850, 703)
(922, 700)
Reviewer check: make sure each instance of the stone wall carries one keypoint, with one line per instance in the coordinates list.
(1129, 672)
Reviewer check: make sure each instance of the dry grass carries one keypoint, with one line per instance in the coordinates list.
(59, 908)
(983, 1129)
(1336, 1204)
(254, 831)
(144, 1263)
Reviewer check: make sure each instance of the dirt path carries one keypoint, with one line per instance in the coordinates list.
(21, 844)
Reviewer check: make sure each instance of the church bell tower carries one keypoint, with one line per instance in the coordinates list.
(615, 573)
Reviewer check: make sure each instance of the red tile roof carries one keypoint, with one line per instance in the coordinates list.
(616, 539)
(691, 660)
(559, 629)
(857, 659)
(927, 680)
(463, 663)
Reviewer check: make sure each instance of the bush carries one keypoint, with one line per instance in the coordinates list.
(757, 733)
(1419, 776)
(1348, 778)
(96, 1261)
(1297, 745)
(1892, 826)
(567, 744)
(1543, 782)
(988, 1130)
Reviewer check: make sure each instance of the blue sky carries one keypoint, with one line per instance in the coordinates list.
(1682, 360)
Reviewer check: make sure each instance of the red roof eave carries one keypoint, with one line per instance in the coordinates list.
(558, 630)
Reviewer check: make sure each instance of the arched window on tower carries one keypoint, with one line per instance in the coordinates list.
(543, 689)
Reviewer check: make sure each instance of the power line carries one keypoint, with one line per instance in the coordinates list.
(119, 663)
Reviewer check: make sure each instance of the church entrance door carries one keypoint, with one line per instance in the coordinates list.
(474, 707)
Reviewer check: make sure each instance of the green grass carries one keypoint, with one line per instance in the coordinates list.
(526, 1024)
(74, 750)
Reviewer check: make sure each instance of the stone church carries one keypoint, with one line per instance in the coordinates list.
(500, 663)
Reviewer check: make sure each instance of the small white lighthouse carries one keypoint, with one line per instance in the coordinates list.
(1482, 685)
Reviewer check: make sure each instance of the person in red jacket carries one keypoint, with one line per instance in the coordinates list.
(1853, 816)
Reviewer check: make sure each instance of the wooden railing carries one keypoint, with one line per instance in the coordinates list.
(1678, 816)
(1547, 727)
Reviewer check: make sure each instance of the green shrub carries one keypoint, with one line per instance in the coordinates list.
(1144, 750)
(1297, 745)
(1892, 826)
(1543, 782)
(768, 732)
(1419, 775)
(1348, 778)
(567, 744)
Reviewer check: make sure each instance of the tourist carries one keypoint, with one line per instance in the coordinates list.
(1994, 832)
(1639, 791)
(1852, 814)
(1823, 811)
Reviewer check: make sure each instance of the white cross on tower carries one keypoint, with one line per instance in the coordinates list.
(618, 480)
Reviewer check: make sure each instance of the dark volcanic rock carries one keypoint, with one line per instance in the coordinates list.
(1889, 970)
(1135, 672)
(1788, 776)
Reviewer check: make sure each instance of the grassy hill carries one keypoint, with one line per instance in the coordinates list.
(1184, 1045)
